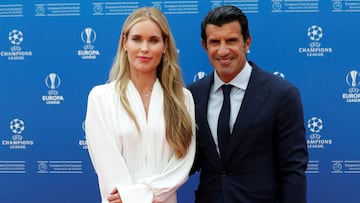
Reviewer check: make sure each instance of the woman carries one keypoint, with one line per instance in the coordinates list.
(140, 124)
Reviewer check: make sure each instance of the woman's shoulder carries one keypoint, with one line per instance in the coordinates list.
(187, 92)
(103, 89)
(189, 100)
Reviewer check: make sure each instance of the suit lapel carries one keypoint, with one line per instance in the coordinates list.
(254, 98)
(202, 118)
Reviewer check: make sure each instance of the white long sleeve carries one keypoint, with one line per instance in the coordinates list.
(143, 166)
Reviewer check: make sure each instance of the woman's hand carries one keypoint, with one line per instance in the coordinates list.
(114, 196)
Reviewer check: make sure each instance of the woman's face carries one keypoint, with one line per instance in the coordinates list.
(145, 46)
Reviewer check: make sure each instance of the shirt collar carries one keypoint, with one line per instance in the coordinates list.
(240, 81)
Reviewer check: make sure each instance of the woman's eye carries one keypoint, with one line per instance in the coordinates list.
(154, 41)
(136, 39)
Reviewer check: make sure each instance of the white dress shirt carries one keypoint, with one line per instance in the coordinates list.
(142, 166)
(240, 83)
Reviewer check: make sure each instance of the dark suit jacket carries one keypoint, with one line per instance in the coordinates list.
(267, 156)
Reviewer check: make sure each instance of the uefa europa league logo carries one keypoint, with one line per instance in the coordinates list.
(88, 36)
(352, 79)
(52, 81)
(353, 75)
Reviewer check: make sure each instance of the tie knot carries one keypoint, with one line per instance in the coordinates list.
(226, 89)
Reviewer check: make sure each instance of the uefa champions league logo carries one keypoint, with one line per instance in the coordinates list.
(353, 81)
(88, 37)
(52, 81)
(16, 38)
(315, 125)
(17, 127)
(315, 33)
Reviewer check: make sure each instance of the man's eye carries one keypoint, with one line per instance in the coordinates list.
(213, 42)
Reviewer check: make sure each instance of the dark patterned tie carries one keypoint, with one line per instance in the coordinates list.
(223, 130)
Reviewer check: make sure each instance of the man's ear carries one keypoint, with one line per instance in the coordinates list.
(203, 44)
(247, 43)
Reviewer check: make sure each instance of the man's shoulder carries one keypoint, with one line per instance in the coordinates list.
(200, 83)
(268, 77)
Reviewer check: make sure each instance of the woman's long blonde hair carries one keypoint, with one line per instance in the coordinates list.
(177, 118)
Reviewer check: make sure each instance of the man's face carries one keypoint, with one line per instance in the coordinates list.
(226, 49)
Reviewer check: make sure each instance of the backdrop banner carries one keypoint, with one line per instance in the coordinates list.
(52, 52)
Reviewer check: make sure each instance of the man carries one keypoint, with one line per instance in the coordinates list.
(264, 156)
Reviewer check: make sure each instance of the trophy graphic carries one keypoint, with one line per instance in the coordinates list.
(52, 77)
(88, 35)
(353, 75)
(52, 81)
(353, 81)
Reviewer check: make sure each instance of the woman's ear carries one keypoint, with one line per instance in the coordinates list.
(124, 42)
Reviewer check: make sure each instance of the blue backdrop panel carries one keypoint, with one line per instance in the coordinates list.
(53, 52)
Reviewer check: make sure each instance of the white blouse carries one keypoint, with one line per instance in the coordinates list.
(142, 166)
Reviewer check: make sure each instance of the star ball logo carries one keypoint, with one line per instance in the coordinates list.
(353, 81)
(315, 125)
(52, 81)
(16, 38)
(88, 36)
(17, 127)
(315, 33)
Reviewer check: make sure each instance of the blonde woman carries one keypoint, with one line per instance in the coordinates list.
(140, 125)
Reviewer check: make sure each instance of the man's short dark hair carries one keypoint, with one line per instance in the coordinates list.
(226, 14)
